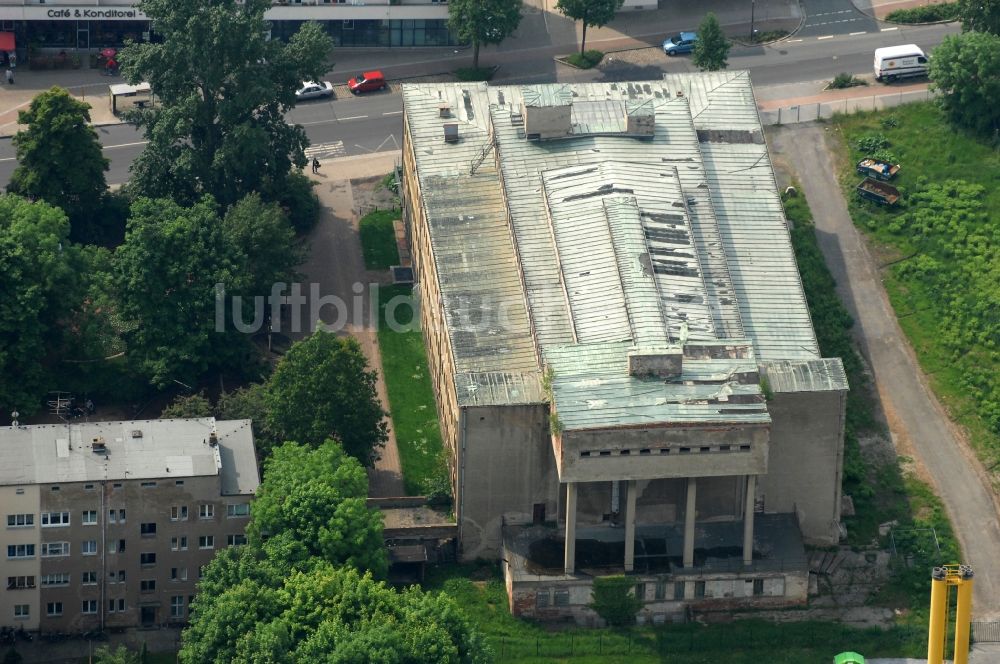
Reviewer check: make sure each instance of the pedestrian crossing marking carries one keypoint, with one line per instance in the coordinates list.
(326, 150)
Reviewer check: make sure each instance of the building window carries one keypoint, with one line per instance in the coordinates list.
(179, 543)
(148, 485)
(542, 599)
(87, 579)
(560, 597)
(178, 482)
(116, 516)
(121, 546)
(238, 510)
(116, 577)
(236, 540)
(178, 574)
(116, 605)
(20, 550)
(116, 485)
(54, 488)
(88, 487)
(206, 511)
(89, 606)
(147, 586)
(640, 592)
(89, 518)
(20, 582)
(699, 588)
(177, 606)
(678, 590)
(52, 549)
(89, 548)
(206, 541)
(179, 513)
(147, 558)
(661, 590)
(147, 529)
(758, 587)
(56, 579)
(53, 609)
(55, 519)
(22, 611)
(20, 520)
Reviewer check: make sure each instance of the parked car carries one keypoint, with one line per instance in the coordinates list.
(367, 82)
(894, 62)
(680, 43)
(314, 90)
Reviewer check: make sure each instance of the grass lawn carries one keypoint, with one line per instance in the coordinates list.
(479, 590)
(941, 247)
(586, 60)
(411, 398)
(378, 239)
(881, 493)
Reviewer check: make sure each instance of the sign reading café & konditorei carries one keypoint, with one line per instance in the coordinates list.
(43, 13)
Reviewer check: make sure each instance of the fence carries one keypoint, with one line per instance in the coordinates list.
(986, 632)
(821, 110)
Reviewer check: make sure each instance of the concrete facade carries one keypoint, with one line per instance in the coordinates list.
(625, 369)
(111, 547)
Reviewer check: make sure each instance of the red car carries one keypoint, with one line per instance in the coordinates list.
(367, 82)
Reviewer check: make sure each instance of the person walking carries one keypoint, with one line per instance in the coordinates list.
(10, 76)
(315, 165)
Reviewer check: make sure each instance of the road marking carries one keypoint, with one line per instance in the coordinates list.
(855, 34)
(392, 113)
(794, 40)
(888, 29)
(826, 37)
(325, 150)
(8, 159)
(354, 117)
(125, 145)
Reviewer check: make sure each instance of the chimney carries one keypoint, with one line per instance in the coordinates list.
(444, 110)
(451, 132)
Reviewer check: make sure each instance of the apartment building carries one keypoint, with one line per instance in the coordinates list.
(73, 24)
(625, 368)
(108, 524)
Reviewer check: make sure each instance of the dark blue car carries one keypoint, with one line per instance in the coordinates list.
(682, 43)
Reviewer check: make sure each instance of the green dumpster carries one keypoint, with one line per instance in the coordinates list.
(848, 658)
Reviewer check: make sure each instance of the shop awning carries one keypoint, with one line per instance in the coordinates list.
(6, 41)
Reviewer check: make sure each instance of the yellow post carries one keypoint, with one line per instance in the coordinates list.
(939, 614)
(963, 615)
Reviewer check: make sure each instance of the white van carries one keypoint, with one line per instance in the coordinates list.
(893, 62)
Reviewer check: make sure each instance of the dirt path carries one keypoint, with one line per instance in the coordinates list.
(918, 419)
(335, 263)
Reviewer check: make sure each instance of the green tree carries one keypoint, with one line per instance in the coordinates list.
(321, 388)
(188, 405)
(711, 51)
(248, 403)
(166, 274)
(120, 655)
(613, 598)
(265, 242)
(60, 160)
(980, 15)
(593, 13)
(483, 22)
(39, 287)
(222, 89)
(965, 68)
(319, 497)
(327, 614)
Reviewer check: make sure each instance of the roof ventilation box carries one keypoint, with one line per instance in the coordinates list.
(553, 121)
(451, 133)
(656, 362)
(444, 110)
(640, 118)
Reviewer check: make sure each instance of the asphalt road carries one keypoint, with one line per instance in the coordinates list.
(834, 17)
(373, 123)
(918, 422)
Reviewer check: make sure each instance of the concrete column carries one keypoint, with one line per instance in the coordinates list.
(570, 560)
(690, 508)
(748, 520)
(630, 526)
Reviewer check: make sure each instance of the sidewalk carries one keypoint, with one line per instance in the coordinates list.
(879, 9)
(88, 85)
(805, 107)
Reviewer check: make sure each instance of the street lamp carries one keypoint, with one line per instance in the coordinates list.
(753, 6)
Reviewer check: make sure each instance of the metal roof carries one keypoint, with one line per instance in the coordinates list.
(614, 242)
(141, 449)
(806, 375)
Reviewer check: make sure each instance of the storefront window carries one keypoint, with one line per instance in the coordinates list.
(50, 34)
(374, 33)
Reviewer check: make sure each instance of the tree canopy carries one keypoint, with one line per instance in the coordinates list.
(321, 388)
(39, 287)
(483, 22)
(319, 495)
(711, 51)
(965, 68)
(222, 88)
(265, 243)
(980, 15)
(120, 655)
(593, 13)
(188, 405)
(60, 159)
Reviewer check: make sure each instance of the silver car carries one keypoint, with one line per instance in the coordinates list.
(314, 90)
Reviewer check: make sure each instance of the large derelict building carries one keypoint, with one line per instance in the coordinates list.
(625, 367)
(107, 524)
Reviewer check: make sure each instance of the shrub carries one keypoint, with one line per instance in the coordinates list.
(945, 11)
(585, 60)
(475, 73)
(889, 122)
(873, 142)
(845, 80)
(614, 599)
